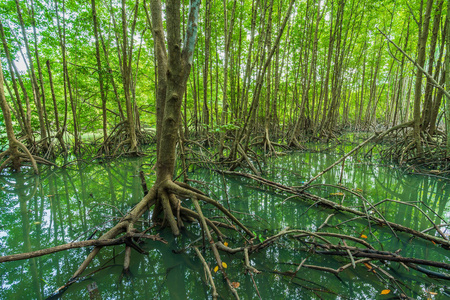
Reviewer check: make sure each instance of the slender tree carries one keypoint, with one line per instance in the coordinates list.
(13, 155)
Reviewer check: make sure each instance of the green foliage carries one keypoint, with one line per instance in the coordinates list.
(303, 54)
(259, 236)
(216, 128)
(3, 137)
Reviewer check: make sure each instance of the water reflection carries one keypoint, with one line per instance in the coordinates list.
(84, 200)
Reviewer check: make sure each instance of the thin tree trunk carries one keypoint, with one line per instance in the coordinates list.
(447, 79)
(428, 99)
(35, 86)
(24, 115)
(55, 108)
(421, 47)
(205, 109)
(100, 76)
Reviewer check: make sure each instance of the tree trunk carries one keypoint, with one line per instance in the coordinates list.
(126, 77)
(428, 96)
(421, 47)
(59, 131)
(15, 157)
(447, 80)
(25, 115)
(33, 81)
(100, 76)
(205, 110)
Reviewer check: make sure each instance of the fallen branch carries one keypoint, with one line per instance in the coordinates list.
(98, 243)
(389, 257)
(330, 204)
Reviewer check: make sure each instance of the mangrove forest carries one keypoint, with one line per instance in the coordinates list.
(225, 149)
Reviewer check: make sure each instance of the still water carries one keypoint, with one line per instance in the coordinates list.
(85, 199)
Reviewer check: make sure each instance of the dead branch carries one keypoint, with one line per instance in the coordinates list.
(98, 243)
(330, 204)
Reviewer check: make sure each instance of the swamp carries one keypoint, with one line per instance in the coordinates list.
(234, 149)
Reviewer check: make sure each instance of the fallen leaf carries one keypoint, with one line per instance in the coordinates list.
(235, 284)
(225, 244)
(385, 292)
(363, 236)
(216, 268)
(337, 194)
(224, 265)
(368, 266)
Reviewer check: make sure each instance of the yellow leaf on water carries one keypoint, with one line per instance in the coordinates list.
(225, 244)
(216, 268)
(385, 292)
(363, 236)
(224, 265)
(337, 194)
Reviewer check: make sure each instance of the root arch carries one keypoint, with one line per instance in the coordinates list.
(166, 199)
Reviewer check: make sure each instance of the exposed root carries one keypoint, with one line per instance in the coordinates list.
(208, 273)
(301, 194)
(17, 158)
(167, 197)
(401, 146)
(119, 141)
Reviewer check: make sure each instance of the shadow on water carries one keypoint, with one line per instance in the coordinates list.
(80, 202)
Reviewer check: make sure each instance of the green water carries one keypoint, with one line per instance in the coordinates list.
(70, 204)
